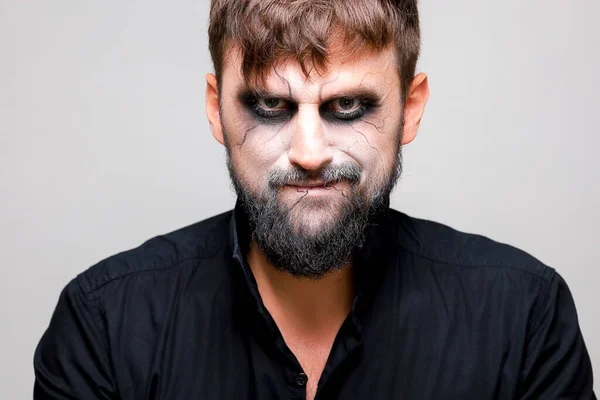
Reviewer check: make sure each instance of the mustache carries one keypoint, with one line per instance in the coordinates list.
(331, 174)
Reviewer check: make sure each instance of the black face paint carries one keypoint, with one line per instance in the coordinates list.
(269, 109)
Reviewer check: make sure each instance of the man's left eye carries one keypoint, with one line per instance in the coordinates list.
(345, 104)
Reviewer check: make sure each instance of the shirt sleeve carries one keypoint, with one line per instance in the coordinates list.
(556, 364)
(71, 361)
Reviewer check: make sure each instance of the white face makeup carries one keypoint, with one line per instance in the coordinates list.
(351, 113)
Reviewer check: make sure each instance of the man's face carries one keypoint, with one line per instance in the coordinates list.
(313, 158)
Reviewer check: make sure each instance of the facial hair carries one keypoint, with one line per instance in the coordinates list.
(287, 244)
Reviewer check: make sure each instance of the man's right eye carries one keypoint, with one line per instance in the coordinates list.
(270, 107)
(271, 103)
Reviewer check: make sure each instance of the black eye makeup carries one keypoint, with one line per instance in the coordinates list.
(266, 108)
(270, 107)
(339, 109)
(347, 108)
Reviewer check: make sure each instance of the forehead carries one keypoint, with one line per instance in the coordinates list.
(375, 71)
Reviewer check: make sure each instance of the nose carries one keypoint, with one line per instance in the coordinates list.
(308, 149)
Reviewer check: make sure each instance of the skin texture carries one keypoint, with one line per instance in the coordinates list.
(309, 133)
(309, 138)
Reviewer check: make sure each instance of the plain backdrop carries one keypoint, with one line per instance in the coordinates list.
(104, 141)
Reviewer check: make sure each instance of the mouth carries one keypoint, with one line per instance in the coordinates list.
(311, 186)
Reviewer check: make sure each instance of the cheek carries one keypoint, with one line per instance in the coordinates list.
(254, 147)
(372, 141)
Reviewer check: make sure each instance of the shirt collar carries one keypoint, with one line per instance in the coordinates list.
(240, 241)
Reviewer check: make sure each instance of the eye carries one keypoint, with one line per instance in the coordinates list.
(345, 104)
(347, 108)
(272, 103)
(269, 108)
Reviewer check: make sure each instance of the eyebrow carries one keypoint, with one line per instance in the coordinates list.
(357, 92)
(245, 93)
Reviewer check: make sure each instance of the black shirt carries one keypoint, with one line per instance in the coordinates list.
(438, 314)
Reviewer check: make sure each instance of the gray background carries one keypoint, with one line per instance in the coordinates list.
(104, 141)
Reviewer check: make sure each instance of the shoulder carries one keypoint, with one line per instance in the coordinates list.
(184, 247)
(499, 298)
(449, 247)
(476, 273)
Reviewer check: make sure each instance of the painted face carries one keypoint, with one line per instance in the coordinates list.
(349, 116)
(314, 159)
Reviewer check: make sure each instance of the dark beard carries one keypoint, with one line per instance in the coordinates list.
(290, 247)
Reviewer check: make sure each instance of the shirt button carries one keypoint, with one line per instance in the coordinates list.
(301, 379)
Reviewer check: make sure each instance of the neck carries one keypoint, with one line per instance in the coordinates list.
(308, 304)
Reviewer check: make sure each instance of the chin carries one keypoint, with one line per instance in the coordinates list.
(312, 214)
(312, 225)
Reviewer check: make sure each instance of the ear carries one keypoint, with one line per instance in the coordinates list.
(212, 107)
(415, 105)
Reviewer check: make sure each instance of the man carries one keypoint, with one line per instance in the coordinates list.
(312, 287)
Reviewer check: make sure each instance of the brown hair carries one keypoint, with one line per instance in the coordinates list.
(269, 31)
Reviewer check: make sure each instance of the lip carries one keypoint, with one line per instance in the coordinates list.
(309, 186)
(305, 188)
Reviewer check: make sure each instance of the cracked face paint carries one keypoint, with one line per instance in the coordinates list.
(321, 150)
